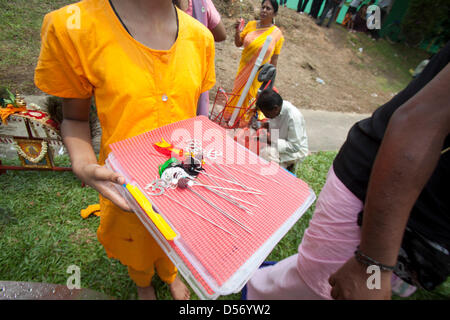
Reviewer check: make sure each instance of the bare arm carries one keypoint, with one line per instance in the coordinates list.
(219, 32)
(76, 134)
(237, 35)
(406, 159)
(77, 139)
(404, 164)
(274, 60)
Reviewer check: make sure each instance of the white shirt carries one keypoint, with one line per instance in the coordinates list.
(289, 127)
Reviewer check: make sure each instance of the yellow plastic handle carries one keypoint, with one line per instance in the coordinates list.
(146, 205)
(163, 144)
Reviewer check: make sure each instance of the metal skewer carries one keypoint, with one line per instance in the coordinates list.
(223, 188)
(250, 174)
(232, 201)
(229, 181)
(183, 183)
(227, 174)
(236, 198)
(209, 176)
(201, 216)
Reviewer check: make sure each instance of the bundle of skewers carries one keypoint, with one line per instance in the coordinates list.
(185, 169)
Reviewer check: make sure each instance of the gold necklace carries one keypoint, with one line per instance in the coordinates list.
(261, 26)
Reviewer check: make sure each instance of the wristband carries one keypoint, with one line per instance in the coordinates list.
(361, 257)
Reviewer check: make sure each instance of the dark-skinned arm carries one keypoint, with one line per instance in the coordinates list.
(274, 60)
(237, 35)
(219, 32)
(77, 139)
(406, 159)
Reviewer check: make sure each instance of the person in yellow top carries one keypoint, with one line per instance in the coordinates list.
(146, 63)
(252, 37)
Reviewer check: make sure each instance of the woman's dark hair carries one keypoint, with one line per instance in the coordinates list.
(268, 100)
(274, 4)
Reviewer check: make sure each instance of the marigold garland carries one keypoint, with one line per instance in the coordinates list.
(41, 155)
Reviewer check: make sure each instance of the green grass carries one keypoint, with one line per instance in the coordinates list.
(42, 232)
(390, 63)
(20, 42)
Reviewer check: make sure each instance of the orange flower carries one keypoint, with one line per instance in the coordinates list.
(9, 110)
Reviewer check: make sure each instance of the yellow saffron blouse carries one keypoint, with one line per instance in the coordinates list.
(86, 51)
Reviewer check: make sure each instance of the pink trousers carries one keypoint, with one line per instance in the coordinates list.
(328, 242)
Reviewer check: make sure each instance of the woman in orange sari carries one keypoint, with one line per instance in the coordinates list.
(252, 37)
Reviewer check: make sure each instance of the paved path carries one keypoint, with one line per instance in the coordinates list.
(326, 130)
(12, 290)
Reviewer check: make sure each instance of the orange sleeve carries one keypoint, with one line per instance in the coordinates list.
(59, 70)
(210, 76)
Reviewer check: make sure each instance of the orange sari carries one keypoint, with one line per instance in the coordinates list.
(253, 38)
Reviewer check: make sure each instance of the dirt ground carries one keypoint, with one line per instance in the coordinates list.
(309, 52)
